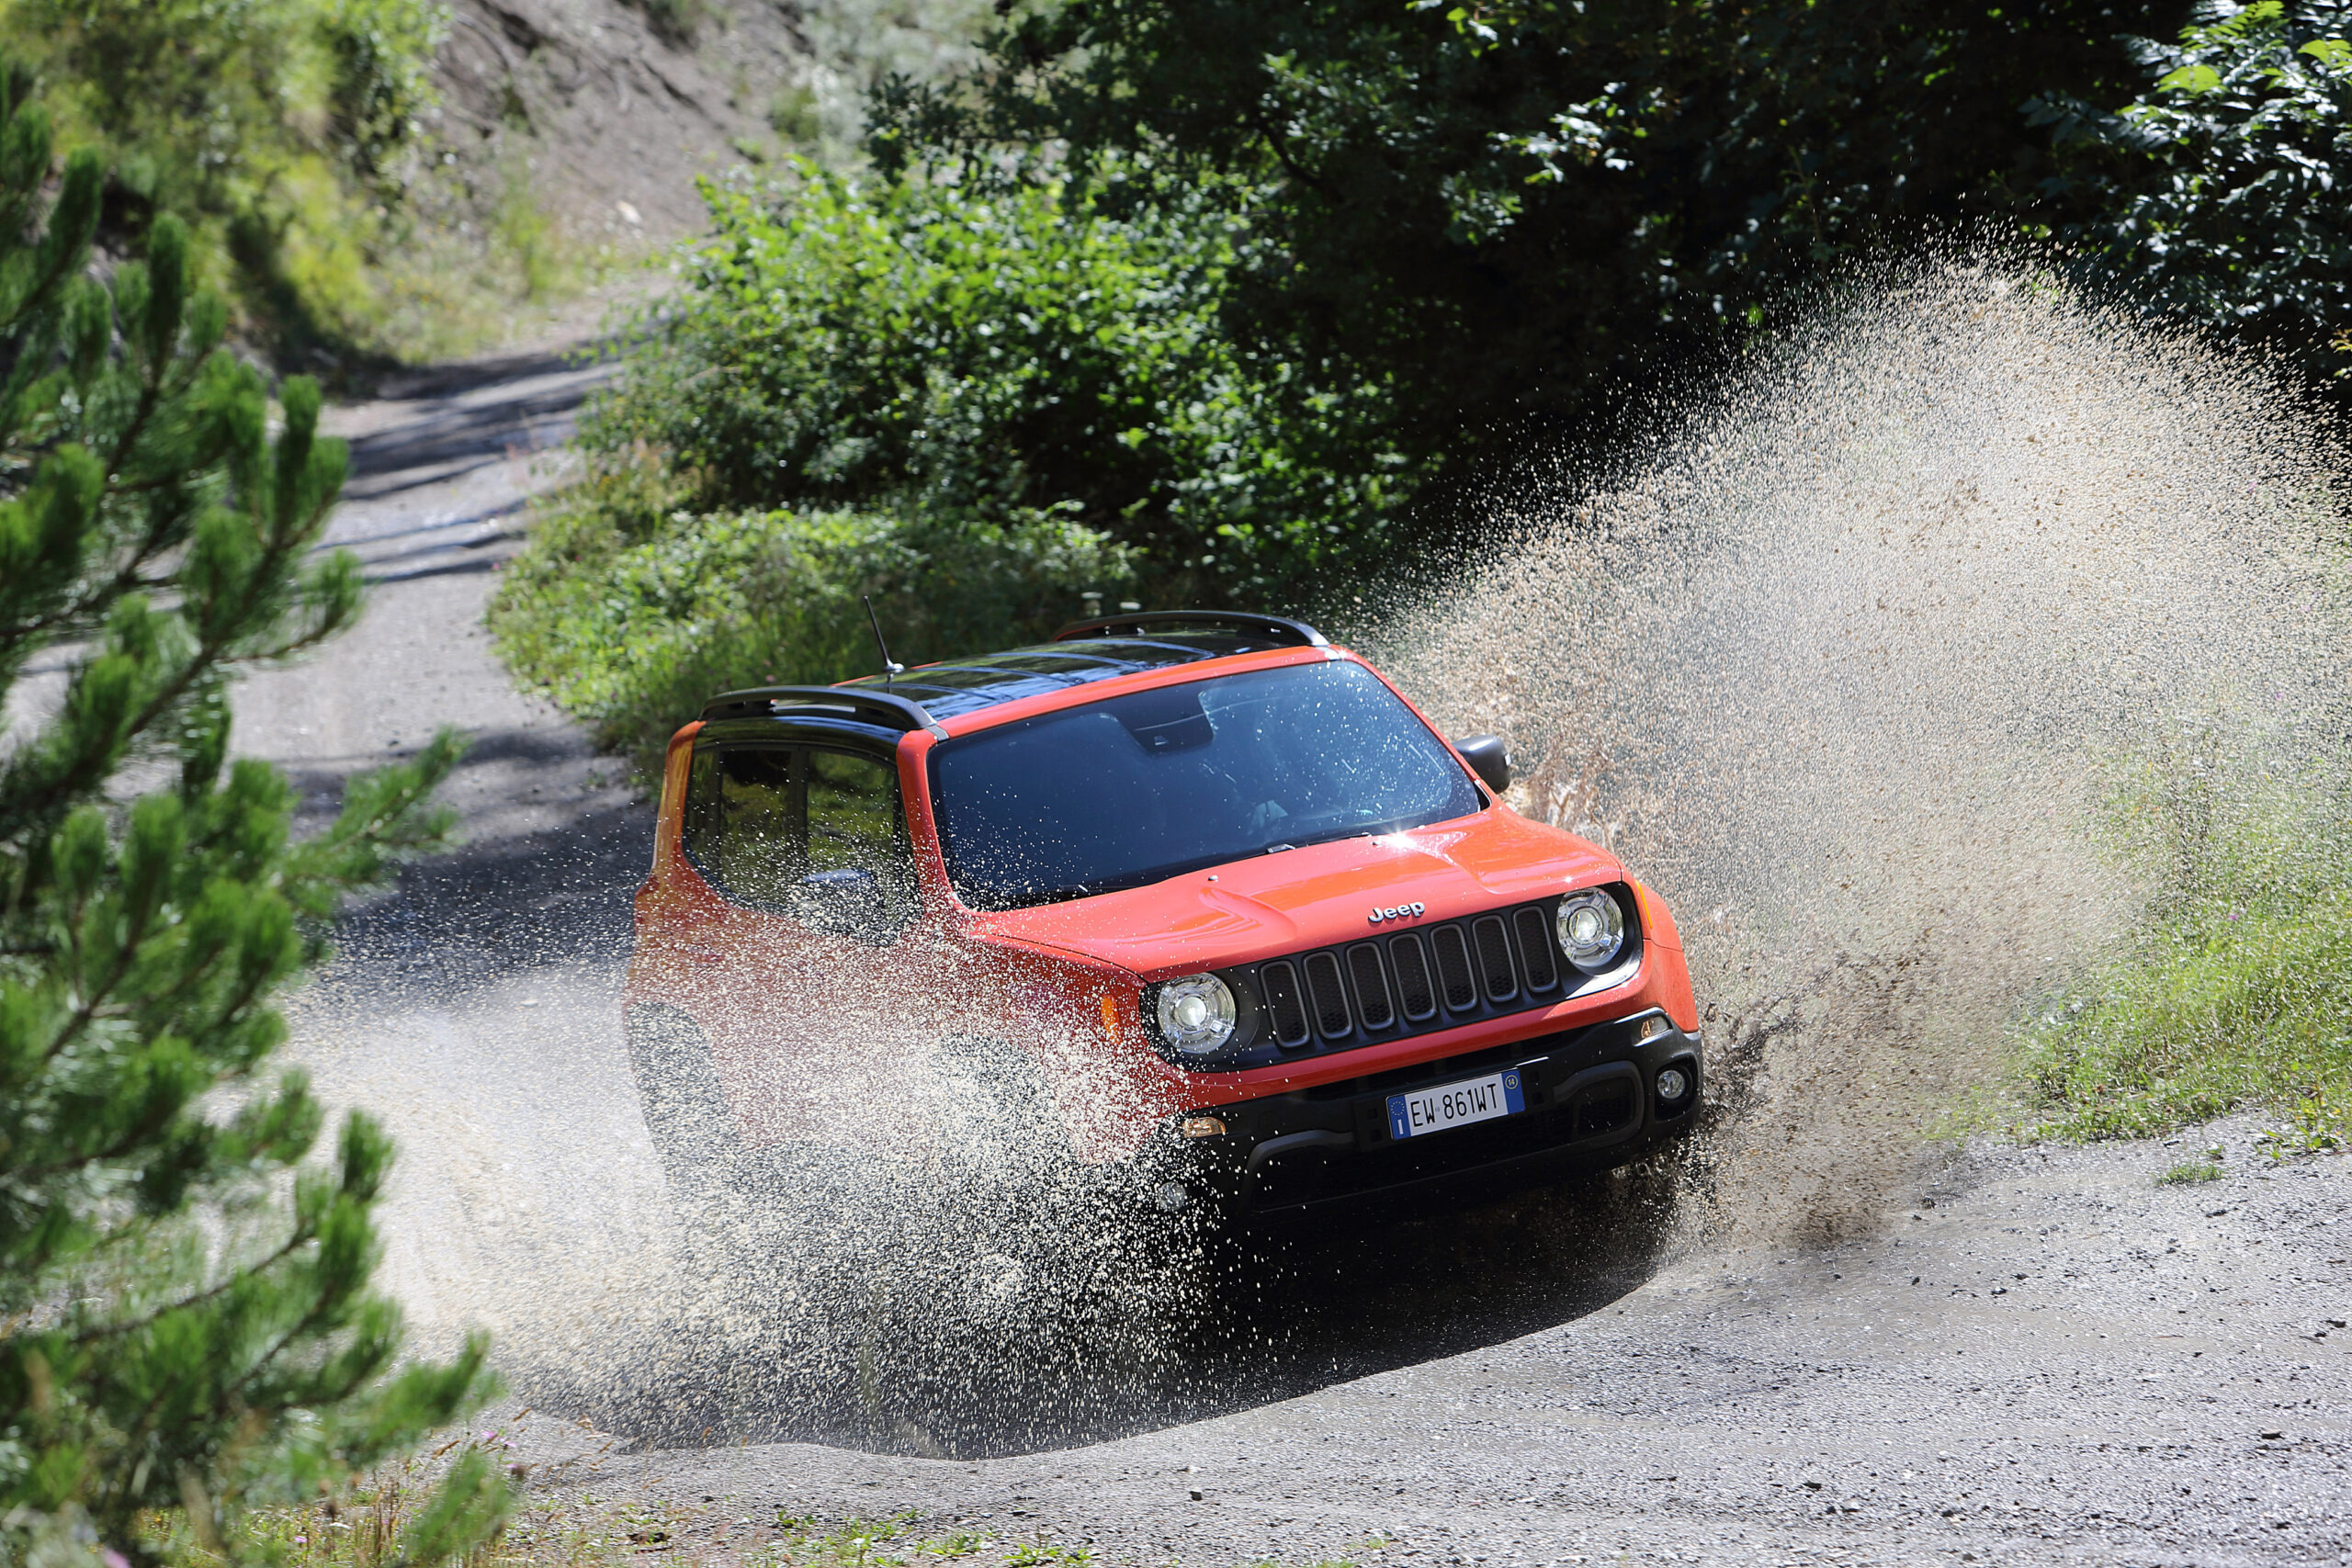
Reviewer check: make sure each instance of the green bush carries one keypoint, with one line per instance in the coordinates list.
(975, 408)
(2220, 184)
(907, 347)
(2237, 989)
(634, 632)
(1521, 212)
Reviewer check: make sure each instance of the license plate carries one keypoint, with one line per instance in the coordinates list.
(1455, 1104)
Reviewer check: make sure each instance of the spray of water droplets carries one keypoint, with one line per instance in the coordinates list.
(1841, 669)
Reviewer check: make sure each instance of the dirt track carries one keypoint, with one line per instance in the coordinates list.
(2056, 1361)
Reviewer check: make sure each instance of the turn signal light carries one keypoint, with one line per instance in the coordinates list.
(1652, 1027)
(1202, 1127)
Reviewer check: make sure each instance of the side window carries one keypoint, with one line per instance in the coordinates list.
(855, 826)
(817, 835)
(742, 822)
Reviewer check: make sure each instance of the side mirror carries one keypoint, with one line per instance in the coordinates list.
(1488, 758)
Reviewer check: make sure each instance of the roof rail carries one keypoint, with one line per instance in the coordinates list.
(1298, 633)
(885, 709)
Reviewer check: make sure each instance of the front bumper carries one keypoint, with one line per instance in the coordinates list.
(1591, 1104)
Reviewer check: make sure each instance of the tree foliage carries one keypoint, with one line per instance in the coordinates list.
(171, 1334)
(1502, 210)
(2220, 192)
(1036, 345)
(1263, 293)
(272, 128)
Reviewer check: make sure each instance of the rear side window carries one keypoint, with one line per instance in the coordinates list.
(814, 834)
(743, 822)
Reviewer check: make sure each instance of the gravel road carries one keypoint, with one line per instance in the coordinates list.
(2058, 1361)
(2038, 1356)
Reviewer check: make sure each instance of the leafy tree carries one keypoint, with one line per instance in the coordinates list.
(2221, 190)
(1508, 211)
(185, 1316)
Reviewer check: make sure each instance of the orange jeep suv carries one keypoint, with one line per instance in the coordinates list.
(1194, 899)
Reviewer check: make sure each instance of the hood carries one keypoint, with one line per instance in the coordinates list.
(1315, 897)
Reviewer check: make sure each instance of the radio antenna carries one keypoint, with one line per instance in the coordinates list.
(891, 668)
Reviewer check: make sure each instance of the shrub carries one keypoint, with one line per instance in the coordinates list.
(906, 347)
(976, 409)
(2235, 990)
(635, 634)
(2220, 183)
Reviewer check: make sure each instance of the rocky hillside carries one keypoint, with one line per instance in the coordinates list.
(615, 107)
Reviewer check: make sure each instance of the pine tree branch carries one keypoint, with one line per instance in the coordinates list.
(303, 1236)
(84, 609)
(87, 1012)
(223, 1402)
(131, 1138)
(208, 655)
(151, 397)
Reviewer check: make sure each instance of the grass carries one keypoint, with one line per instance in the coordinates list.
(2255, 1013)
(560, 1523)
(2235, 990)
(2190, 1174)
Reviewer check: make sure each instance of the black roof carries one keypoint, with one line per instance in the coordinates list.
(1084, 653)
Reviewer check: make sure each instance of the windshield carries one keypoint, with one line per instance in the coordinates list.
(1136, 788)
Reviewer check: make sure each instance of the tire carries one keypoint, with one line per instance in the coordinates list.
(685, 1109)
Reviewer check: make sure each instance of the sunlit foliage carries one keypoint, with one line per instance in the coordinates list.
(931, 349)
(273, 129)
(635, 632)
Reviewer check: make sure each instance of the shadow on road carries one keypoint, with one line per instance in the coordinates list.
(500, 904)
(433, 427)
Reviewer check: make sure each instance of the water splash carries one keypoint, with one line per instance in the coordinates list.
(1840, 667)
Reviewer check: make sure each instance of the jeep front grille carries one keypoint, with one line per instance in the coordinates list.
(1410, 957)
(1278, 984)
(1400, 984)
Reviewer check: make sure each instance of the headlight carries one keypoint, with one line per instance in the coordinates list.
(1591, 929)
(1195, 1014)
